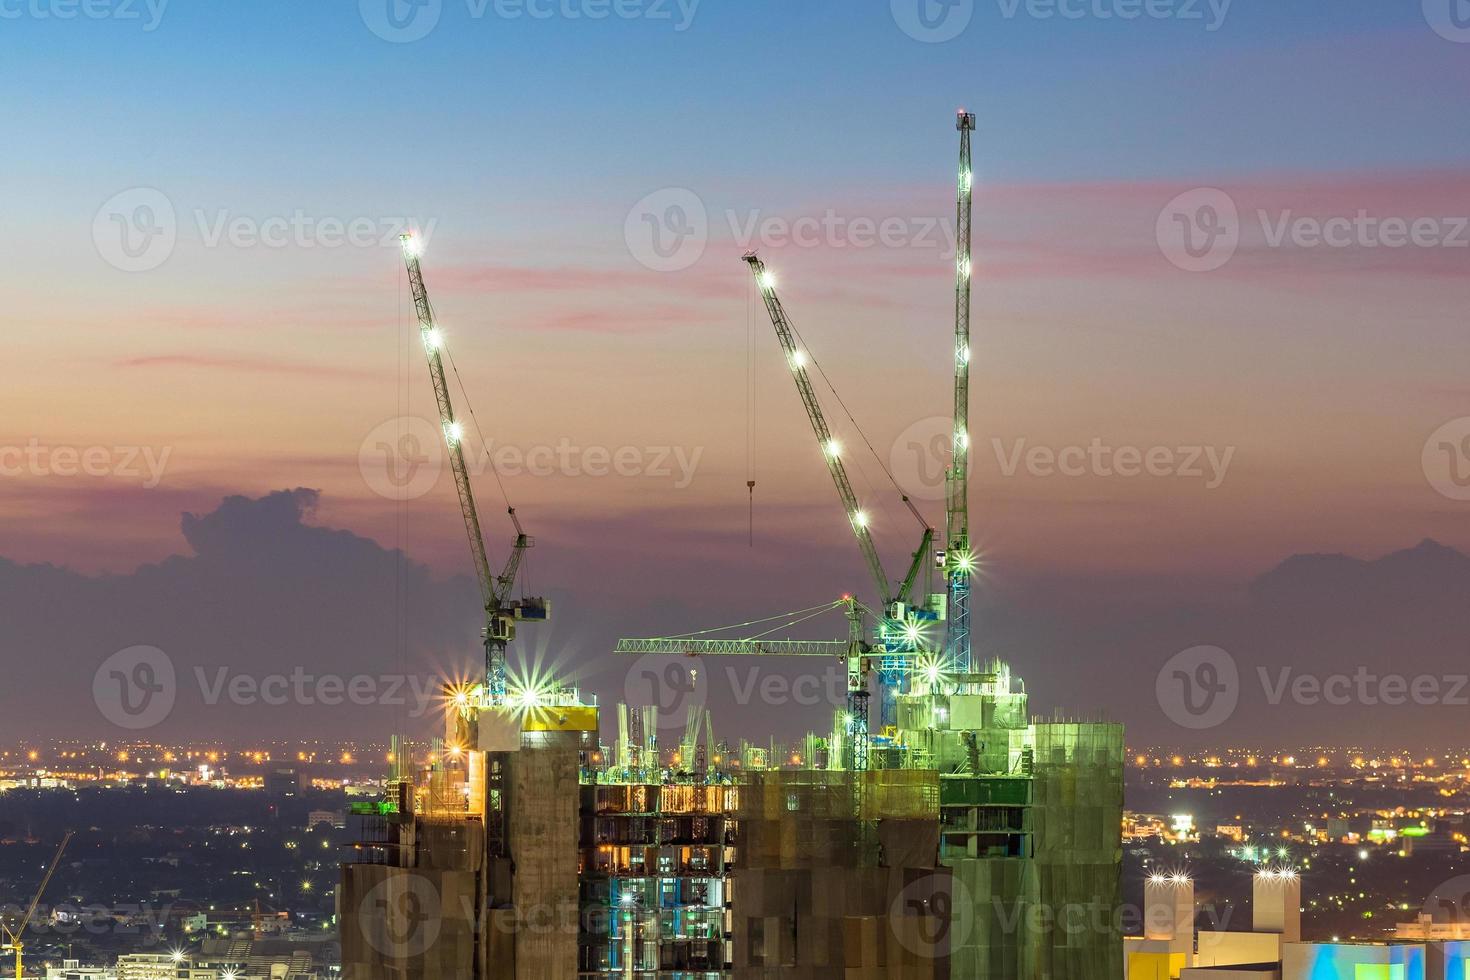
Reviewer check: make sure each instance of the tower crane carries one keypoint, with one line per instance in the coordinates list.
(899, 633)
(501, 611)
(958, 559)
(14, 938)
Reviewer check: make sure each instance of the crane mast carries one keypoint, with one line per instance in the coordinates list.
(959, 560)
(831, 451)
(500, 612)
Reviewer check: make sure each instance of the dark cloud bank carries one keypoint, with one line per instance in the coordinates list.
(265, 593)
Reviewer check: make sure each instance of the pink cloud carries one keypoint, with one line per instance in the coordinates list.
(232, 362)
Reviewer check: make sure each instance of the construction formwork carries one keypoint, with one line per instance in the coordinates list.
(1078, 816)
(836, 876)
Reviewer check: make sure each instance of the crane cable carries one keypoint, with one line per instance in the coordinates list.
(814, 610)
(788, 624)
(464, 393)
(750, 403)
(857, 428)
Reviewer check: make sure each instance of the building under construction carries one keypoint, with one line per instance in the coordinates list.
(518, 846)
(938, 830)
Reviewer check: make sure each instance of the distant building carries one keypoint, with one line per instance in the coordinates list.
(73, 970)
(1170, 949)
(282, 782)
(335, 819)
(147, 966)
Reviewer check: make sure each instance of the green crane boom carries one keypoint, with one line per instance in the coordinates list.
(796, 358)
(501, 613)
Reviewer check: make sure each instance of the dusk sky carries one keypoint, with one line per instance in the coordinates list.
(1307, 380)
